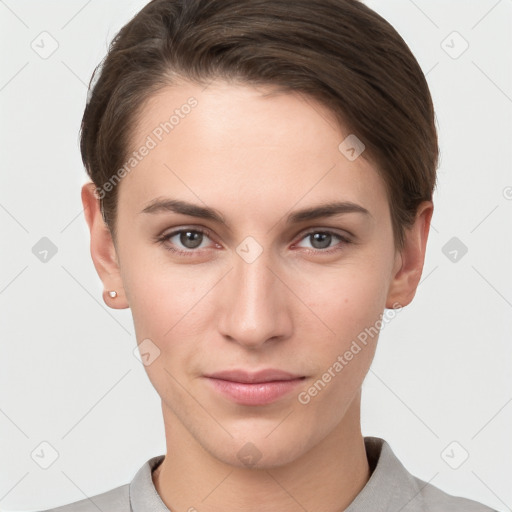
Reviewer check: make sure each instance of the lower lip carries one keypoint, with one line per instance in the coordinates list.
(261, 393)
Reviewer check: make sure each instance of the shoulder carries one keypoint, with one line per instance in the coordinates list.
(115, 500)
(436, 500)
(393, 487)
(139, 494)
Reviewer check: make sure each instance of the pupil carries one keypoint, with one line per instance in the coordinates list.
(323, 238)
(193, 242)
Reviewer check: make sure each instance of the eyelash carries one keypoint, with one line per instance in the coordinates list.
(191, 252)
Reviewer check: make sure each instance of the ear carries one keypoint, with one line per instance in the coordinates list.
(103, 251)
(409, 261)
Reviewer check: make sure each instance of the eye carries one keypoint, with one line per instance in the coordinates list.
(321, 240)
(190, 239)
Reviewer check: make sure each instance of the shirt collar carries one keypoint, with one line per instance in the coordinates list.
(390, 487)
(143, 494)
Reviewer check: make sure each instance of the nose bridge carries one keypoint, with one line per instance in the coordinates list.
(255, 308)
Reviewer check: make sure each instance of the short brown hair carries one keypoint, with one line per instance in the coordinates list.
(339, 52)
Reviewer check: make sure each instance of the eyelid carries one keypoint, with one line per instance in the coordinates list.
(345, 240)
(164, 237)
(333, 231)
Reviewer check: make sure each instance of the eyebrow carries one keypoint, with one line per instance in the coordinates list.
(324, 210)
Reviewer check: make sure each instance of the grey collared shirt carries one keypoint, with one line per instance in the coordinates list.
(391, 488)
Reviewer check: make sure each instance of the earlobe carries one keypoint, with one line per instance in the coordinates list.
(407, 275)
(103, 251)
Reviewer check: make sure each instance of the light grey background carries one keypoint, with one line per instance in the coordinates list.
(68, 375)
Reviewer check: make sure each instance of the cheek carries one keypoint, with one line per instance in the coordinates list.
(345, 302)
(341, 348)
(162, 295)
(173, 306)
(342, 324)
(167, 309)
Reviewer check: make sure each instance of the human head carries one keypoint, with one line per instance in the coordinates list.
(261, 134)
(338, 52)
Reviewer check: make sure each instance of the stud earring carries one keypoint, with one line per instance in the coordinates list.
(113, 294)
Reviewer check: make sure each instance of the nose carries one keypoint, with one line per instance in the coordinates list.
(256, 306)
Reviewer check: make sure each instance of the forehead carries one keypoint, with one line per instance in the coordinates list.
(231, 140)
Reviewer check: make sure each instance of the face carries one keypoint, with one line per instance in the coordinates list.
(252, 310)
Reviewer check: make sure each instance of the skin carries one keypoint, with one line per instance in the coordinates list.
(255, 157)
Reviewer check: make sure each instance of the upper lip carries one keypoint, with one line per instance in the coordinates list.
(267, 375)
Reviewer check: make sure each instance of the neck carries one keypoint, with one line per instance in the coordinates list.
(190, 478)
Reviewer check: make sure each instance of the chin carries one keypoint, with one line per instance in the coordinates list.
(260, 453)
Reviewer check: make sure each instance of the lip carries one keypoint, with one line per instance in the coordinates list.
(261, 376)
(254, 388)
